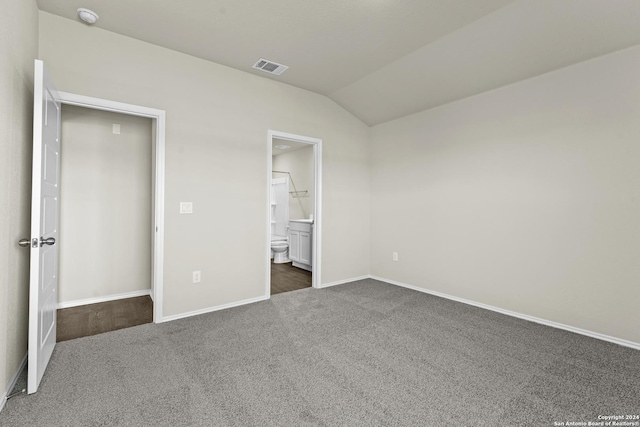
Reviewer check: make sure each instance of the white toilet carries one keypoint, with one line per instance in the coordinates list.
(280, 249)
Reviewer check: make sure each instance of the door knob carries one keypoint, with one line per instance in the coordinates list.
(49, 241)
(24, 243)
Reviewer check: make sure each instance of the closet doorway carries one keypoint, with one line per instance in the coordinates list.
(106, 193)
(111, 214)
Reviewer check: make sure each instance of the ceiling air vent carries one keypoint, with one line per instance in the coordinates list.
(270, 67)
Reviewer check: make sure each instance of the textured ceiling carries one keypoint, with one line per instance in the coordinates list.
(379, 59)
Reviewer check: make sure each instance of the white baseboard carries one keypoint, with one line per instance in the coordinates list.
(545, 322)
(12, 384)
(342, 282)
(211, 309)
(87, 301)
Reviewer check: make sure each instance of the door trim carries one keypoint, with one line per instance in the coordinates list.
(159, 120)
(317, 208)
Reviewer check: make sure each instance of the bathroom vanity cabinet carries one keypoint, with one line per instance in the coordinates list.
(300, 235)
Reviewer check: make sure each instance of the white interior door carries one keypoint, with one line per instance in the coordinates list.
(45, 198)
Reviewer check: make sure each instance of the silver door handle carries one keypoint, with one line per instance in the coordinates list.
(24, 243)
(49, 241)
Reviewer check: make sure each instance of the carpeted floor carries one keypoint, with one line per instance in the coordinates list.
(360, 354)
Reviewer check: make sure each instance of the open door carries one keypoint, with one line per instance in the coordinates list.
(45, 198)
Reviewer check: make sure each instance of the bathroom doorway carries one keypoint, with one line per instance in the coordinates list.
(294, 212)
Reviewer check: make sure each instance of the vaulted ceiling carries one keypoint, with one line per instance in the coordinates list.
(379, 59)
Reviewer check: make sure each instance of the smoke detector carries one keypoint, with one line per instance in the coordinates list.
(270, 67)
(88, 16)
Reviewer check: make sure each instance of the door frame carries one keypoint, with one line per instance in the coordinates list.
(158, 118)
(317, 206)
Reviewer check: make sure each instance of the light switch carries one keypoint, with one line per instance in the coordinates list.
(186, 207)
(116, 128)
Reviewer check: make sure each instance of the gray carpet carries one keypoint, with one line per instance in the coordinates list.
(361, 354)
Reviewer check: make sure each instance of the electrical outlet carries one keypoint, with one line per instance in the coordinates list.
(197, 276)
(395, 256)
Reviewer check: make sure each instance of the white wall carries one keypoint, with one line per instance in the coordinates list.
(525, 198)
(299, 163)
(105, 204)
(216, 155)
(18, 49)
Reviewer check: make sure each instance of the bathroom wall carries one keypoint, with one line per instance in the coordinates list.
(105, 204)
(299, 163)
(18, 49)
(526, 198)
(218, 120)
